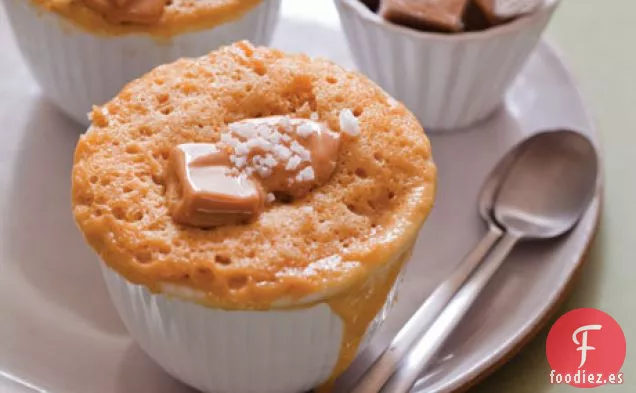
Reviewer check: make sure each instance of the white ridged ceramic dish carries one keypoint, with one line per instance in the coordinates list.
(77, 69)
(448, 81)
(61, 334)
(220, 351)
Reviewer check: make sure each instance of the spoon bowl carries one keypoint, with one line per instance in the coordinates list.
(548, 187)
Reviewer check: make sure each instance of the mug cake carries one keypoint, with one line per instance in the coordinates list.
(450, 61)
(253, 210)
(82, 52)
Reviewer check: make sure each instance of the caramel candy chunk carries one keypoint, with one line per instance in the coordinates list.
(499, 11)
(143, 12)
(427, 15)
(290, 156)
(207, 191)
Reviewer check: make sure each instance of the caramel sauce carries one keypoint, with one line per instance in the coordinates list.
(357, 308)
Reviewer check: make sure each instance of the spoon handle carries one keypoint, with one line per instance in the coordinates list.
(377, 375)
(423, 352)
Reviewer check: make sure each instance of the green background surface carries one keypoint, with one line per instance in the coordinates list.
(599, 41)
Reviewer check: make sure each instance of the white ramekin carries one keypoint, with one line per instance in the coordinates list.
(77, 69)
(220, 351)
(448, 81)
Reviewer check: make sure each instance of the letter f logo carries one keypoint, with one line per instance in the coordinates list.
(583, 344)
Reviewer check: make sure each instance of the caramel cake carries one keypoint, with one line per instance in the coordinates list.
(250, 179)
(157, 17)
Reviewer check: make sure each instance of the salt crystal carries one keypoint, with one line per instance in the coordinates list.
(285, 122)
(348, 123)
(263, 171)
(241, 149)
(314, 116)
(270, 198)
(282, 152)
(269, 161)
(274, 137)
(238, 161)
(259, 143)
(300, 150)
(306, 174)
(305, 130)
(293, 163)
(228, 140)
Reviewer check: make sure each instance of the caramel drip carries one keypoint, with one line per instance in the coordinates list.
(357, 309)
(143, 12)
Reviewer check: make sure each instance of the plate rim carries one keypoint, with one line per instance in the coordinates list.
(487, 366)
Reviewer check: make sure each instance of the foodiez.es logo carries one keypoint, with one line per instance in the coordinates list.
(586, 348)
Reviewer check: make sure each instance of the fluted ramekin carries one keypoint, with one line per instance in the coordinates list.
(220, 351)
(77, 69)
(449, 81)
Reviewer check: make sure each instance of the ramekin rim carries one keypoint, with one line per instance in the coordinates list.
(519, 24)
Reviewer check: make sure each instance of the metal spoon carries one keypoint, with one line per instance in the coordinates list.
(386, 364)
(543, 195)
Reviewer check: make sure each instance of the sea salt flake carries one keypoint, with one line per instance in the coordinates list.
(238, 161)
(285, 122)
(314, 116)
(304, 130)
(300, 150)
(269, 161)
(282, 152)
(229, 140)
(241, 149)
(274, 137)
(348, 123)
(306, 174)
(270, 198)
(264, 171)
(293, 163)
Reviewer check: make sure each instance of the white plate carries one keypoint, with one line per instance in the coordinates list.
(60, 334)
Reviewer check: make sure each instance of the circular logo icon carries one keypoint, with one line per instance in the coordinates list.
(586, 348)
